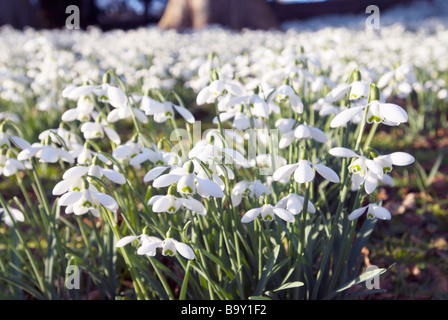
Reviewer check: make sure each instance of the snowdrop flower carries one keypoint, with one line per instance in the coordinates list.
(122, 110)
(285, 93)
(248, 189)
(126, 152)
(374, 211)
(358, 89)
(94, 170)
(9, 166)
(267, 213)
(169, 247)
(387, 113)
(148, 245)
(364, 170)
(217, 89)
(87, 200)
(304, 171)
(5, 141)
(189, 183)
(14, 214)
(163, 111)
(301, 131)
(85, 105)
(46, 153)
(171, 204)
(144, 241)
(97, 130)
(294, 204)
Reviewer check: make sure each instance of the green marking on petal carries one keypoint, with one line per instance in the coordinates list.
(374, 118)
(171, 209)
(387, 169)
(159, 162)
(187, 189)
(168, 114)
(168, 252)
(370, 215)
(76, 189)
(268, 217)
(87, 204)
(5, 146)
(355, 168)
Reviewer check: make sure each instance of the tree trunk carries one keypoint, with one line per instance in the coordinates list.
(236, 14)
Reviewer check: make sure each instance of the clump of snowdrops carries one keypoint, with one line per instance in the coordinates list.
(262, 204)
(273, 197)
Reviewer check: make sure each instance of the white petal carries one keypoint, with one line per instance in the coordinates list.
(61, 187)
(370, 182)
(357, 213)
(345, 116)
(126, 240)
(285, 215)
(112, 135)
(302, 131)
(75, 172)
(114, 176)
(401, 158)
(69, 198)
(381, 213)
(342, 152)
(251, 215)
(154, 173)
(153, 199)
(166, 180)
(186, 114)
(318, 134)
(393, 112)
(326, 172)
(149, 248)
(337, 93)
(304, 173)
(195, 206)
(184, 250)
(106, 200)
(284, 172)
(207, 187)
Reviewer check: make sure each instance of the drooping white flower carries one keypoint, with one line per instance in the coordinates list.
(9, 166)
(291, 130)
(369, 171)
(149, 244)
(285, 93)
(267, 212)
(14, 214)
(85, 102)
(122, 109)
(358, 90)
(171, 204)
(380, 112)
(162, 111)
(87, 200)
(6, 139)
(248, 189)
(94, 170)
(217, 89)
(294, 204)
(374, 211)
(189, 183)
(144, 241)
(46, 153)
(97, 130)
(304, 171)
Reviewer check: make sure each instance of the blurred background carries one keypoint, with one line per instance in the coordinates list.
(179, 14)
